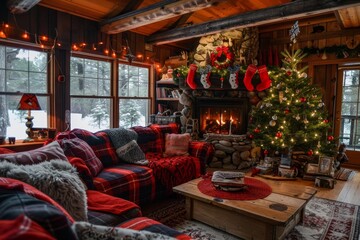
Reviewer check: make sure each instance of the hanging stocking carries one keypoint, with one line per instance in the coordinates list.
(233, 80)
(205, 80)
(250, 71)
(190, 79)
(264, 77)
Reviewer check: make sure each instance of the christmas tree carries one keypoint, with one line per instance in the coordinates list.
(292, 117)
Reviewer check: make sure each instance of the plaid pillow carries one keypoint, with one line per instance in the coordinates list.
(176, 144)
(146, 138)
(76, 147)
(99, 142)
(45, 153)
(161, 130)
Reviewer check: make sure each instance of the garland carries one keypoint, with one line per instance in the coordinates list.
(222, 58)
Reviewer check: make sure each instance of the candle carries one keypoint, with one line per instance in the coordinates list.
(230, 127)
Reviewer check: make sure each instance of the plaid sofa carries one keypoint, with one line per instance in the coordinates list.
(137, 183)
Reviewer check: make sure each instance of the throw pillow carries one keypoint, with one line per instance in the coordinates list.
(56, 178)
(99, 142)
(76, 147)
(88, 231)
(176, 144)
(127, 149)
(45, 153)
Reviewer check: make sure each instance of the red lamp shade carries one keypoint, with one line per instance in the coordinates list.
(29, 102)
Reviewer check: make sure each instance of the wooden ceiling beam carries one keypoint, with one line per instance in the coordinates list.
(20, 6)
(292, 10)
(153, 13)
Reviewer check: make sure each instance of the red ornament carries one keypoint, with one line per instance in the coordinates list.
(288, 73)
(257, 130)
(266, 152)
(330, 138)
(178, 75)
(287, 111)
(222, 79)
(278, 135)
(326, 121)
(303, 99)
(251, 136)
(310, 152)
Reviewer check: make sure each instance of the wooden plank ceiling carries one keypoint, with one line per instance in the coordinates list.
(155, 17)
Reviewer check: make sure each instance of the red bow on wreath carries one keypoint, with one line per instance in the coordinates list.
(264, 77)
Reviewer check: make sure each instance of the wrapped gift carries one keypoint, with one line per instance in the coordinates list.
(324, 182)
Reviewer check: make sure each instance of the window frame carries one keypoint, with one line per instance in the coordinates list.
(49, 76)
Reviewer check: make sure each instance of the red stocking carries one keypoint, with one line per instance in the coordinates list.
(250, 71)
(264, 77)
(191, 76)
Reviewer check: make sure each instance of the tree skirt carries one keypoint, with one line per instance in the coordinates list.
(323, 219)
(255, 189)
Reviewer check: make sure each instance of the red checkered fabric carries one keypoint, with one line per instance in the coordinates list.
(99, 142)
(161, 130)
(144, 223)
(175, 170)
(202, 150)
(23, 228)
(147, 139)
(76, 147)
(129, 181)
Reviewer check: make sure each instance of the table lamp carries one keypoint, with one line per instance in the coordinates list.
(29, 102)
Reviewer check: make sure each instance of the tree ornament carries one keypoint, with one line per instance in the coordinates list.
(281, 96)
(320, 105)
(272, 123)
(287, 111)
(303, 75)
(278, 134)
(288, 72)
(303, 99)
(297, 117)
(266, 152)
(326, 121)
(274, 117)
(257, 130)
(251, 136)
(310, 152)
(306, 121)
(330, 138)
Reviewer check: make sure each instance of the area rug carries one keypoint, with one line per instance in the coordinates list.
(323, 219)
(344, 174)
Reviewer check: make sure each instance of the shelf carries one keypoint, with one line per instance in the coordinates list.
(167, 99)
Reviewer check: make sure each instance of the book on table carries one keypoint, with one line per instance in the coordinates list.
(228, 179)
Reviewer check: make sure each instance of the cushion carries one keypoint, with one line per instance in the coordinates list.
(99, 142)
(132, 182)
(45, 153)
(83, 170)
(23, 228)
(161, 130)
(177, 144)
(127, 149)
(147, 139)
(17, 198)
(76, 147)
(56, 178)
(87, 231)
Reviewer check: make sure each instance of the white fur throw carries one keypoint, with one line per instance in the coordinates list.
(57, 178)
(87, 231)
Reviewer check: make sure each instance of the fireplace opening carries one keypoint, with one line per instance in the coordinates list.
(222, 116)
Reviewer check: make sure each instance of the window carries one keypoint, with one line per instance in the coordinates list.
(350, 109)
(90, 94)
(134, 98)
(22, 71)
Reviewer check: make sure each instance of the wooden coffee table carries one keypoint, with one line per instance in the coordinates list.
(269, 218)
